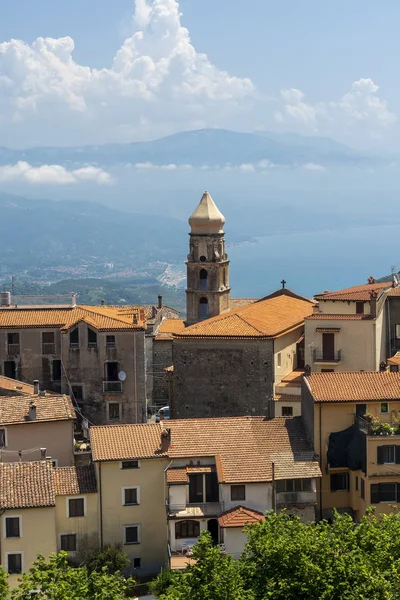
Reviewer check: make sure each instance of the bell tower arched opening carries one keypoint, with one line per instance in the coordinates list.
(203, 279)
(203, 309)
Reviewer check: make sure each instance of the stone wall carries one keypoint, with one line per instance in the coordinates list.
(222, 378)
(162, 358)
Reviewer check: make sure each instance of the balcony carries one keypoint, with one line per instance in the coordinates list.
(13, 349)
(92, 345)
(375, 427)
(295, 498)
(48, 348)
(205, 509)
(319, 356)
(112, 387)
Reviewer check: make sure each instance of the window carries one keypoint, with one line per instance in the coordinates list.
(279, 359)
(359, 308)
(14, 563)
(339, 482)
(77, 391)
(110, 341)
(287, 411)
(132, 534)
(384, 408)
(92, 338)
(212, 487)
(293, 485)
(388, 455)
(3, 438)
(187, 529)
(130, 496)
(56, 370)
(130, 464)
(385, 492)
(203, 276)
(13, 527)
(196, 493)
(74, 338)
(76, 507)
(136, 563)
(13, 343)
(113, 411)
(238, 492)
(48, 346)
(362, 491)
(398, 332)
(356, 483)
(68, 542)
(202, 258)
(203, 309)
(10, 369)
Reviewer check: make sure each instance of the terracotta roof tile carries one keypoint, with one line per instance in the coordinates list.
(394, 360)
(239, 516)
(70, 481)
(394, 291)
(169, 327)
(239, 302)
(356, 292)
(15, 409)
(236, 443)
(26, 485)
(265, 318)
(103, 318)
(121, 442)
(177, 475)
(357, 386)
(287, 398)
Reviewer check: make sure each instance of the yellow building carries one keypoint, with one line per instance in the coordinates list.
(353, 421)
(37, 425)
(348, 329)
(130, 466)
(43, 510)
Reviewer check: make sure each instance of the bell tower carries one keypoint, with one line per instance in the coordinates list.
(207, 291)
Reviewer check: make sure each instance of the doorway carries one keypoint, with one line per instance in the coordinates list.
(213, 528)
(361, 409)
(328, 346)
(10, 369)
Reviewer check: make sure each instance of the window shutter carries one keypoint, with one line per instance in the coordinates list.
(374, 493)
(380, 450)
(397, 454)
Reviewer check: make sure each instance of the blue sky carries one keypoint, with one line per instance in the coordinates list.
(318, 68)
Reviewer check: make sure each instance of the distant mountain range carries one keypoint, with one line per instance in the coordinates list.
(204, 147)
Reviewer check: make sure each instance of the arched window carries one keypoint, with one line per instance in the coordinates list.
(187, 529)
(203, 308)
(224, 277)
(203, 279)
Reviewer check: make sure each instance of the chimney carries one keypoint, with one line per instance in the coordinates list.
(102, 302)
(160, 301)
(165, 439)
(135, 318)
(307, 370)
(73, 299)
(153, 312)
(36, 387)
(32, 412)
(5, 299)
(43, 453)
(382, 367)
(372, 301)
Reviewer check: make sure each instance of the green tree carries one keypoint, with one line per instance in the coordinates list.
(56, 580)
(3, 584)
(112, 557)
(213, 576)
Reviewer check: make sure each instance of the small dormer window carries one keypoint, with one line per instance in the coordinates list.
(92, 338)
(359, 308)
(74, 338)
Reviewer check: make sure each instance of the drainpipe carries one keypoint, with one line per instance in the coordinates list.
(320, 459)
(101, 508)
(165, 477)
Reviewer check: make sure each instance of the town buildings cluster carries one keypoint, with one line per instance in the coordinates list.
(281, 402)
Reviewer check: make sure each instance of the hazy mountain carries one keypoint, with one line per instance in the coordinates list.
(197, 148)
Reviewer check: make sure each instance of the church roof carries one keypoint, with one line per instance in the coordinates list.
(206, 218)
(267, 318)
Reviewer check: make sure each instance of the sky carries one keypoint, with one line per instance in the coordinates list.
(95, 71)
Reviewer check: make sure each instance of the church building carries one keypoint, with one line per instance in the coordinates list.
(228, 355)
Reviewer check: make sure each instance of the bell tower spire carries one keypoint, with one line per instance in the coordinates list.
(207, 291)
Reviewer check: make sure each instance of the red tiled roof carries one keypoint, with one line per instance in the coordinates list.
(70, 481)
(239, 516)
(359, 386)
(168, 327)
(324, 316)
(356, 292)
(15, 409)
(27, 485)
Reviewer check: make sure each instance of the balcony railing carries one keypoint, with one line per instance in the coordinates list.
(13, 349)
(92, 345)
(112, 387)
(293, 498)
(48, 348)
(377, 427)
(196, 509)
(331, 357)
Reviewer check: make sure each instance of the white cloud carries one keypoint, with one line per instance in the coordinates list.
(148, 166)
(360, 106)
(158, 83)
(52, 174)
(313, 167)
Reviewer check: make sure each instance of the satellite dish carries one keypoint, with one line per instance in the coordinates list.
(122, 375)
